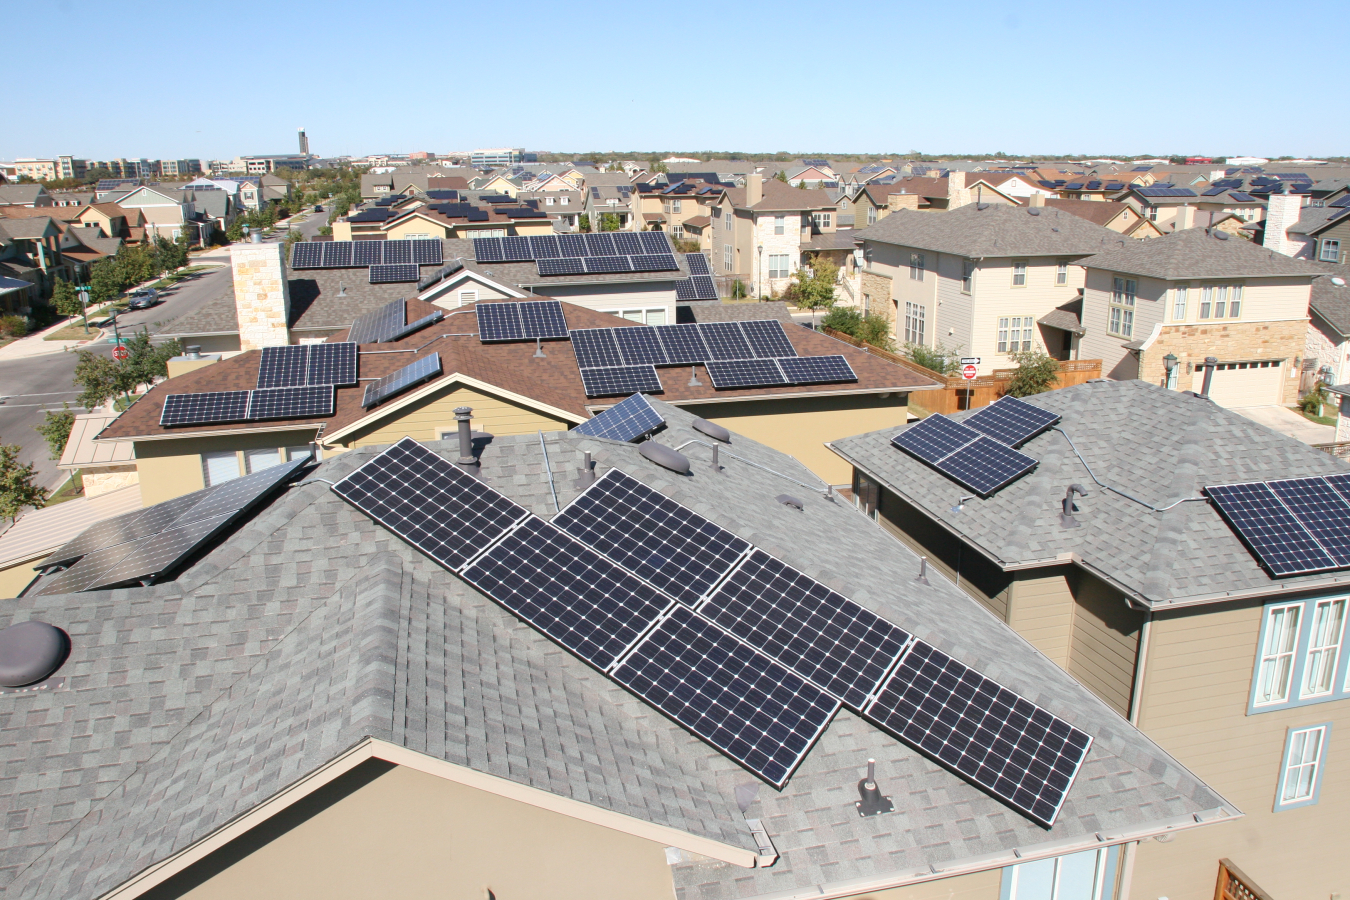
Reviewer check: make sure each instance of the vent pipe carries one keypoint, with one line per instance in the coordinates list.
(192, 351)
(587, 476)
(872, 803)
(1068, 508)
(1210, 363)
(464, 416)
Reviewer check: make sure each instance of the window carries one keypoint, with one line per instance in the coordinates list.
(726, 222)
(1019, 273)
(967, 275)
(867, 304)
(1331, 250)
(778, 265)
(653, 316)
(1324, 647)
(1206, 300)
(871, 215)
(1153, 213)
(294, 453)
(1179, 302)
(417, 237)
(1062, 272)
(1089, 875)
(822, 219)
(548, 201)
(220, 466)
(1276, 665)
(1215, 303)
(1014, 334)
(563, 201)
(677, 232)
(779, 223)
(468, 297)
(1300, 774)
(1220, 301)
(1121, 321)
(1235, 306)
(914, 322)
(916, 267)
(257, 460)
(675, 206)
(843, 204)
(726, 257)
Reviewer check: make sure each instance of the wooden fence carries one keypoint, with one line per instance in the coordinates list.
(957, 393)
(1234, 885)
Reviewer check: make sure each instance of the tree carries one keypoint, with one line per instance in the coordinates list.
(104, 283)
(609, 222)
(235, 233)
(98, 377)
(939, 358)
(146, 361)
(101, 379)
(870, 329)
(17, 489)
(65, 299)
(584, 223)
(55, 429)
(782, 176)
(655, 166)
(813, 286)
(1036, 373)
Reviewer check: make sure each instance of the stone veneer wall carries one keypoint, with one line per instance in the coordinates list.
(109, 478)
(1229, 342)
(262, 296)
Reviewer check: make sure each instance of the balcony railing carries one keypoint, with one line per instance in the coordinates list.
(1235, 885)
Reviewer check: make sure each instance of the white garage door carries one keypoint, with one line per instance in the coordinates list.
(1238, 384)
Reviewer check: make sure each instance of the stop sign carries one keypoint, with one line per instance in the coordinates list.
(120, 353)
(968, 373)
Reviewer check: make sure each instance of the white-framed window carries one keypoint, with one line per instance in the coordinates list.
(726, 257)
(1179, 302)
(1089, 875)
(1331, 250)
(726, 221)
(822, 219)
(1019, 273)
(417, 237)
(1014, 333)
(294, 453)
(1324, 647)
(467, 296)
(778, 265)
(1120, 320)
(843, 204)
(967, 275)
(1153, 213)
(916, 267)
(1235, 304)
(563, 201)
(655, 315)
(867, 304)
(914, 323)
(1062, 272)
(257, 460)
(1275, 666)
(1301, 769)
(677, 232)
(779, 224)
(219, 466)
(871, 215)
(548, 201)
(675, 206)
(665, 207)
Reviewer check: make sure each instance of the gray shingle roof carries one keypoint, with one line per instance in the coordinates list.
(1195, 253)
(188, 703)
(1331, 301)
(1315, 218)
(996, 231)
(1161, 446)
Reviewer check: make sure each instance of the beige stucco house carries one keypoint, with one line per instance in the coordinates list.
(757, 232)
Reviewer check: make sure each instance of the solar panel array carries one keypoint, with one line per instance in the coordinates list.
(627, 421)
(579, 254)
(358, 254)
(748, 373)
(1011, 421)
(215, 407)
(145, 544)
(525, 321)
(395, 383)
(698, 287)
(613, 381)
(963, 454)
(393, 273)
(380, 325)
(1294, 526)
(298, 365)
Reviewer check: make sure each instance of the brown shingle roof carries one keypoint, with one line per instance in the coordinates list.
(1096, 211)
(780, 196)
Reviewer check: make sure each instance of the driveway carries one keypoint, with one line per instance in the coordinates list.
(1287, 421)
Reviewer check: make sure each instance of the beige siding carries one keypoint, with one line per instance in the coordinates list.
(426, 419)
(1105, 642)
(1197, 684)
(1041, 610)
(172, 468)
(18, 576)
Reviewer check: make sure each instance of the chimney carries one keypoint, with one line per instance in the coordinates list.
(754, 189)
(1185, 218)
(1282, 212)
(1036, 200)
(262, 297)
(957, 192)
(902, 201)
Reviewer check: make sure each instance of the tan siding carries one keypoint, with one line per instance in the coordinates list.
(17, 577)
(172, 468)
(424, 419)
(1197, 683)
(1105, 642)
(1041, 610)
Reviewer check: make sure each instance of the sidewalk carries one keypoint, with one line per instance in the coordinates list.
(34, 345)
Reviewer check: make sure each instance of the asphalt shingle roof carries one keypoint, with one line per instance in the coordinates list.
(1195, 253)
(997, 230)
(1330, 300)
(188, 703)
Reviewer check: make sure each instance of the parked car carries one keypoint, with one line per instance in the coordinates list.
(143, 298)
(318, 208)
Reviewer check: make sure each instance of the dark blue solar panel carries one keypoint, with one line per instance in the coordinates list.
(626, 421)
(603, 265)
(488, 250)
(1321, 510)
(205, 408)
(725, 340)
(817, 369)
(654, 241)
(291, 402)
(544, 247)
(698, 264)
(283, 366)
(627, 243)
(767, 339)
(499, 322)
(935, 438)
(600, 245)
(595, 347)
(985, 465)
(337, 254)
(543, 319)
(639, 346)
(566, 265)
(367, 253)
(426, 252)
(572, 245)
(398, 253)
(654, 262)
(704, 287)
(683, 344)
(1011, 421)
(391, 274)
(1270, 530)
(517, 249)
(744, 373)
(614, 381)
(332, 363)
(405, 378)
(307, 255)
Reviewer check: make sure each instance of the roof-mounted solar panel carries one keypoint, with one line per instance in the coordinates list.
(1011, 421)
(612, 381)
(628, 421)
(395, 383)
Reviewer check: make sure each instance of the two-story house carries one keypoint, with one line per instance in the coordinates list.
(1194, 294)
(758, 231)
(1144, 588)
(983, 280)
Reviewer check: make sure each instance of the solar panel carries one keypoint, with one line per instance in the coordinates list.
(391, 274)
(397, 382)
(1003, 743)
(684, 289)
(595, 347)
(430, 503)
(543, 319)
(666, 544)
(367, 253)
(544, 247)
(205, 408)
(283, 366)
(985, 465)
(725, 340)
(599, 245)
(640, 346)
(1011, 421)
(307, 255)
(83, 574)
(654, 241)
(239, 494)
(499, 322)
(704, 287)
(569, 592)
(738, 700)
(683, 344)
(626, 421)
(488, 250)
(819, 634)
(698, 264)
(417, 325)
(767, 339)
(337, 254)
(614, 380)
(934, 438)
(517, 249)
(572, 245)
(566, 265)
(654, 262)
(604, 265)
(152, 556)
(377, 326)
(332, 363)
(627, 243)
(426, 252)
(1272, 533)
(291, 402)
(744, 373)
(398, 253)
(1321, 510)
(816, 369)
(1341, 483)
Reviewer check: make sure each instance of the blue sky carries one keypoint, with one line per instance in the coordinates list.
(959, 77)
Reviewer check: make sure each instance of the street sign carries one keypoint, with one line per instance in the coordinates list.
(120, 353)
(970, 360)
(968, 373)
(84, 296)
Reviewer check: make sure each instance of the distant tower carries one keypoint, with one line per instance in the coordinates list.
(304, 142)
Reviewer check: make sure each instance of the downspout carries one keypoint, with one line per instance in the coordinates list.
(1128, 851)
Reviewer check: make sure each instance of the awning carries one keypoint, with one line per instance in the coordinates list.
(1064, 320)
(12, 284)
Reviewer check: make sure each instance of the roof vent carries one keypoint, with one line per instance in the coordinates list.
(1221, 235)
(192, 351)
(31, 652)
(872, 803)
(715, 431)
(789, 500)
(665, 457)
(1066, 519)
(1338, 281)
(981, 206)
(1033, 211)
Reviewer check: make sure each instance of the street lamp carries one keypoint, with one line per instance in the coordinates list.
(759, 274)
(1170, 364)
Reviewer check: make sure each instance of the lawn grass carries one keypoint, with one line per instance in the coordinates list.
(71, 490)
(72, 332)
(1320, 420)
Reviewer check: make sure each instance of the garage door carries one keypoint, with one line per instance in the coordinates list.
(1238, 384)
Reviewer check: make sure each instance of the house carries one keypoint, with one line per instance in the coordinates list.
(1194, 294)
(24, 195)
(1117, 216)
(667, 207)
(815, 177)
(879, 199)
(758, 231)
(30, 251)
(615, 200)
(113, 220)
(1326, 354)
(562, 206)
(1137, 585)
(165, 212)
(439, 219)
(980, 280)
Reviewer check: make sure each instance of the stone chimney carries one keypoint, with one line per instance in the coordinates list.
(1036, 200)
(902, 201)
(754, 189)
(1282, 212)
(957, 192)
(262, 298)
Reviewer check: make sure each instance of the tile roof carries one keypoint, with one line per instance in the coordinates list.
(997, 230)
(187, 704)
(1186, 554)
(1195, 253)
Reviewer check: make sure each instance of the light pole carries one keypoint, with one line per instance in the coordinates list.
(1170, 364)
(759, 274)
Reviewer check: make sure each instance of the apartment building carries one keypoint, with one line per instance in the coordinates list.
(758, 231)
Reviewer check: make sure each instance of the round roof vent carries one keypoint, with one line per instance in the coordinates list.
(1338, 281)
(715, 431)
(1221, 235)
(665, 457)
(1033, 211)
(789, 500)
(31, 652)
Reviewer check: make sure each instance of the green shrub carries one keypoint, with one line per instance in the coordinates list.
(13, 326)
(940, 358)
(870, 329)
(1036, 373)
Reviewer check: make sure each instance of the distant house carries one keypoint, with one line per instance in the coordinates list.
(758, 231)
(1121, 217)
(24, 195)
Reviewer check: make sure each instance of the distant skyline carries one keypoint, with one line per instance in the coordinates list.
(885, 78)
